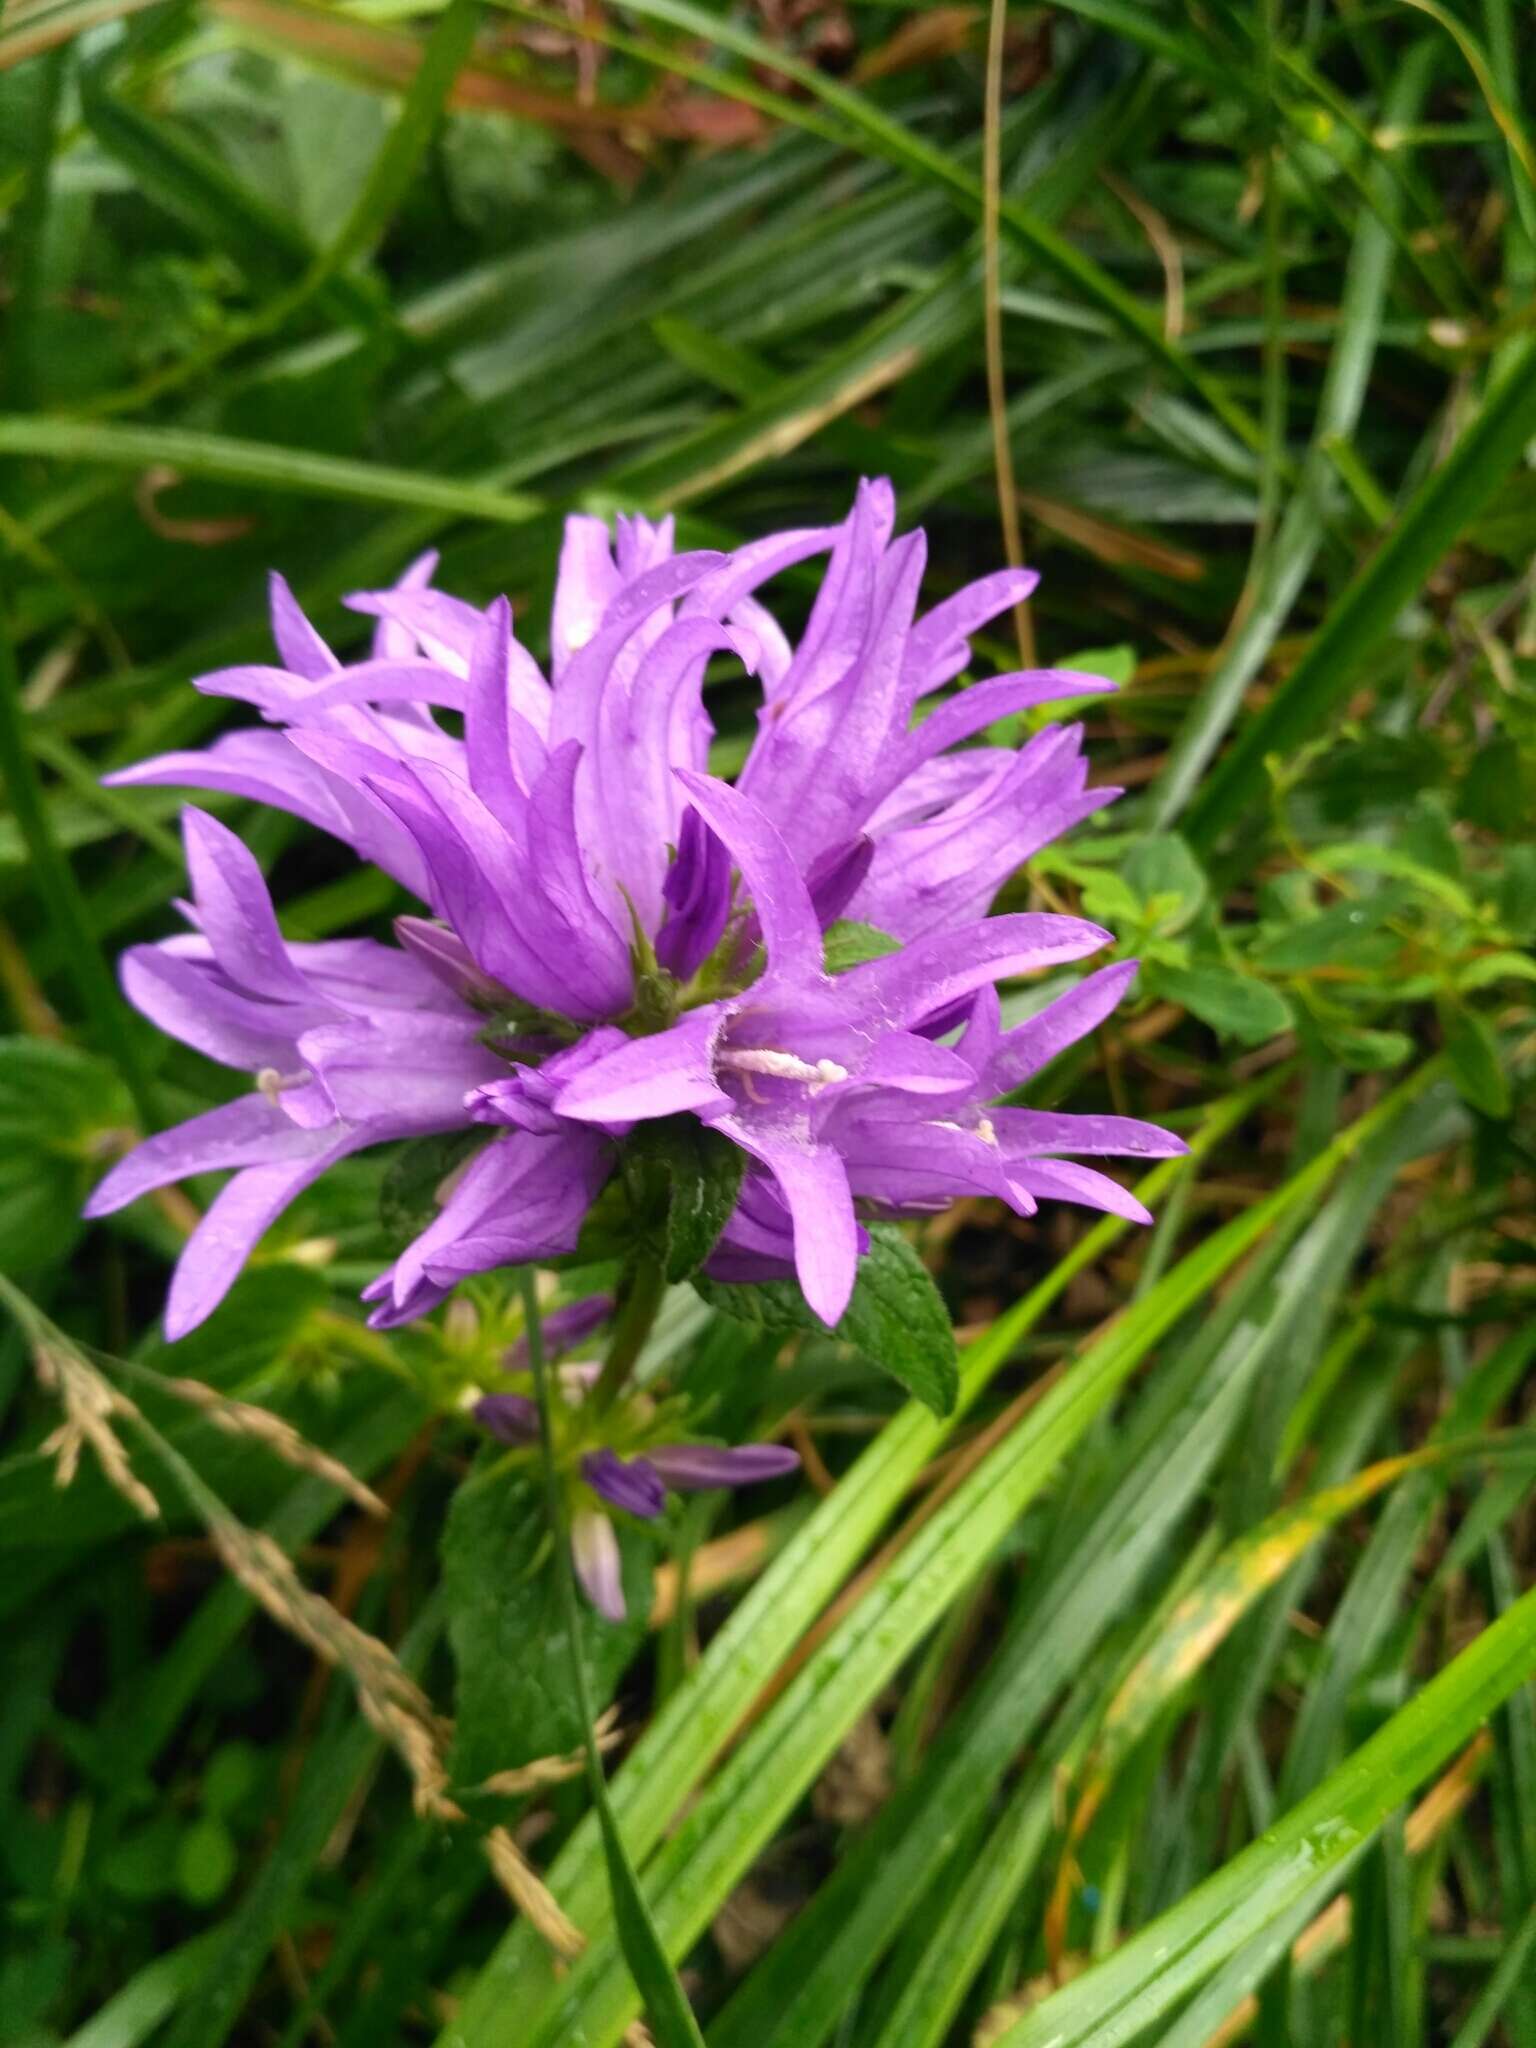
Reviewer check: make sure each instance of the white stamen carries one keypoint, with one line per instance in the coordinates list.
(272, 1084)
(985, 1131)
(782, 1066)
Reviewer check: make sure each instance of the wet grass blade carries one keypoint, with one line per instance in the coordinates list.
(1363, 616)
(1162, 1963)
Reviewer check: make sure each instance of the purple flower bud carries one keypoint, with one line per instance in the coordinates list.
(595, 1551)
(697, 893)
(563, 1328)
(632, 1484)
(511, 1418)
(445, 954)
(689, 1468)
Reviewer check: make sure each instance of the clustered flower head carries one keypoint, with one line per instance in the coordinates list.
(612, 934)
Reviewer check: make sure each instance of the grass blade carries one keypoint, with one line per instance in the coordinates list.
(260, 465)
(1164, 1962)
(1361, 620)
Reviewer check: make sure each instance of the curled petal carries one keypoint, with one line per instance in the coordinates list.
(657, 1076)
(791, 930)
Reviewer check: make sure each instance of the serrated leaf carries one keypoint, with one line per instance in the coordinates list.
(1476, 1068)
(847, 943)
(699, 1174)
(1237, 1005)
(409, 1197)
(514, 1699)
(896, 1319)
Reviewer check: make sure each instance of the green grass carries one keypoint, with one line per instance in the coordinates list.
(1182, 1675)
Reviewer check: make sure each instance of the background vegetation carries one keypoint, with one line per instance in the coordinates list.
(1172, 1689)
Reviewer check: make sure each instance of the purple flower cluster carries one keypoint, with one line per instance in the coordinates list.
(616, 935)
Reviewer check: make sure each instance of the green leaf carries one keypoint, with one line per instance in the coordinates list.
(847, 943)
(514, 1699)
(59, 1108)
(1116, 664)
(1477, 1070)
(143, 1864)
(1364, 1051)
(1333, 937)
(1491, 967)
(1161, 865)
(233, 1773)
(896, 1319)
(699, 1172)
(205, 1861)
(672, 2024)
(1237, 1005)
(409, 1195)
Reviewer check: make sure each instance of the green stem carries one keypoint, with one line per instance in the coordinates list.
(640, 1294)
(554, 1501)
(665, 2001)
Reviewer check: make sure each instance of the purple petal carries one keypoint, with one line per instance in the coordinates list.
(425, 1296)
(933, 972)
(1023, 1052)
(236, 912)
(1063, 1180)
(689, 1468)
(835, 878)
(939, 647)
(236, 1134)
(443, 626)
(779, 896)
(595, 1551)
(392, 641)
(1029, 1133)
(510, 1418)
(973, 710)
(236, 1219)
(697, 891)
(413, 1067)
(628, 1483)
(446, 957)
(521, 1198)
(585, 585)
(296, 640)
(562, 1329)
(505, 753)
(648, 1077)
(814, 1183)
(189, 999)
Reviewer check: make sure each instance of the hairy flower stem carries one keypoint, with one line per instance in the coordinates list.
(554, 1498)
(640, 1293)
